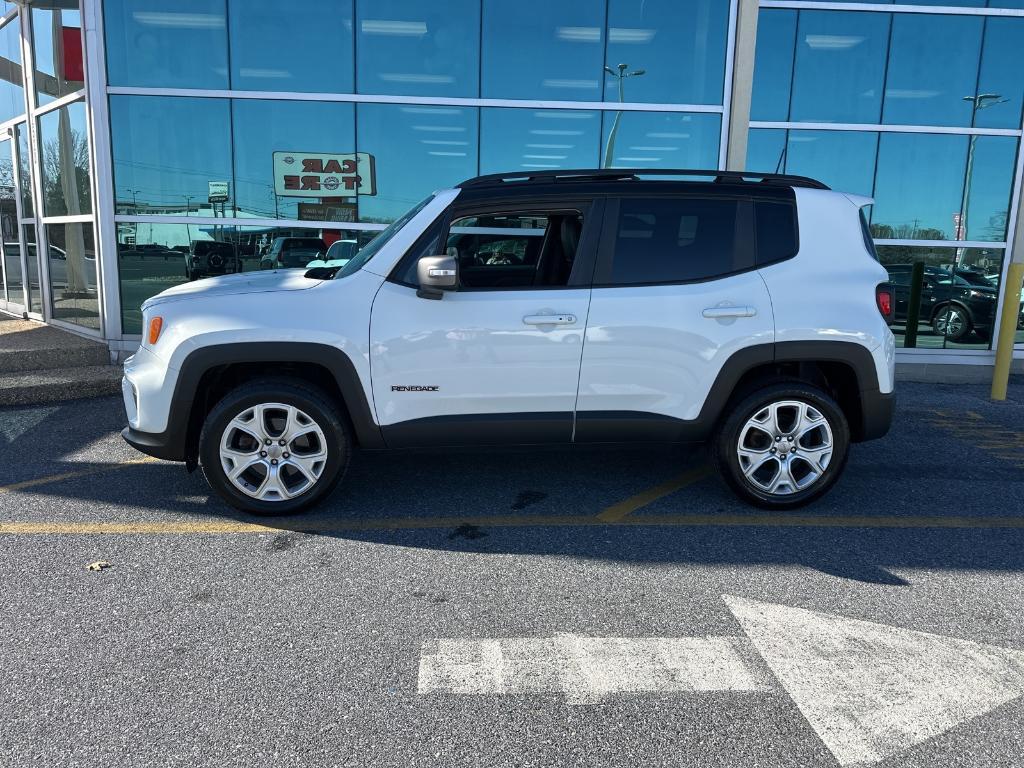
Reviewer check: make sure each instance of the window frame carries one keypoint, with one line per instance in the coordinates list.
(589, 207)
(745, 244)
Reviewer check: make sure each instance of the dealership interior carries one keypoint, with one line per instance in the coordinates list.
(146, 143)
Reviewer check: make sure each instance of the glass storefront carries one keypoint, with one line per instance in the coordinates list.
(926, 121)
(50, 260)
(234, 144)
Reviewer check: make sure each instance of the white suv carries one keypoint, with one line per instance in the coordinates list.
(556, 307)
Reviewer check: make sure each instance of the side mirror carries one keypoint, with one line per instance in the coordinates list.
(435, 275)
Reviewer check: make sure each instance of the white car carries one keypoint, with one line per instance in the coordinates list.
(563, 307)
(338, 254)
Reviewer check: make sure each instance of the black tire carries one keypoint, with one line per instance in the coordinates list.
(727, 439)
(308, 399)
(960, 331)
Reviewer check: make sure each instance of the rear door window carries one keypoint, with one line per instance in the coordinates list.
(673, 240)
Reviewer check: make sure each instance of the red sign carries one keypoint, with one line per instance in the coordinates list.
(71, 41)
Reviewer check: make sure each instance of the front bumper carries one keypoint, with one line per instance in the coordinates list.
(169, 446)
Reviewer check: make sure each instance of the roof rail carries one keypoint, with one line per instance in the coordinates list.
(634, 174)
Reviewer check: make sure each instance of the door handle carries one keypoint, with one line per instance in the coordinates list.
(563, 319)
(717, 313)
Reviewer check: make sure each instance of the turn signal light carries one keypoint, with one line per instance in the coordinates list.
(156, 325)
(884, 299)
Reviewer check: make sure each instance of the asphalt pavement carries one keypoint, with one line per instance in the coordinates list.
(604, 606)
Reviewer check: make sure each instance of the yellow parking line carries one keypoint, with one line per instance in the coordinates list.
(623, 509)
(512, 521)
(69, 475)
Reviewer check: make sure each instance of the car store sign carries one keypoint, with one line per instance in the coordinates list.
(317, 174)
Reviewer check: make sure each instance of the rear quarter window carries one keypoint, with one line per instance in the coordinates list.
(776, 230)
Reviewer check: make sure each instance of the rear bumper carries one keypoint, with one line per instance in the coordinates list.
(169, 446)
(877, 409)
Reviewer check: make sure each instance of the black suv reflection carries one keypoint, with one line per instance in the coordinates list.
(953, 303)
(209, 257)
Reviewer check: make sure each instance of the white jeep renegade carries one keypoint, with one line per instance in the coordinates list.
(558, 307)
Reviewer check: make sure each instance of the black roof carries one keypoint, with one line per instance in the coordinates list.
(625, 175)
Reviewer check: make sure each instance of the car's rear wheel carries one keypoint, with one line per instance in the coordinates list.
(783, 446)
(274, 447)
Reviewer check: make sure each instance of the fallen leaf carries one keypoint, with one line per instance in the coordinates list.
(99, 565)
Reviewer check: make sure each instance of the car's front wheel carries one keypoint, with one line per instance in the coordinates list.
(274, 447)
(952, 322)
(783, 446)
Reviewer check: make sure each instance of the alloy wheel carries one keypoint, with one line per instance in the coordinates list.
(951, 322)
(785, 447)
(273, 452)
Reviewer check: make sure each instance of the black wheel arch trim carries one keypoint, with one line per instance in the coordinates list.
(875, 416)
(179, 441)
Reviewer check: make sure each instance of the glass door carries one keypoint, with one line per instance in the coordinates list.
(12, 290)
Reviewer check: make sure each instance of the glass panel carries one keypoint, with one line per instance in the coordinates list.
(296, 160)
(416, 150)
(12, 94)
(766, 150)
(1001, 83)
(154, 257)
(537, 49)
(773, 65)
(34, 296)
(24, 171)
(537, 139)
(160, 168)
(67, 190)
(920, 188)
(845, 160)
(840, 66)
(953, 3)
(57, 49)
(297, 46)
(991, 160)
(421, 49)
(73, 276)
(669, 240)
(679, 46)
(775, 224)
(660, 140)
(933, 66)
(11, 251)
(505, 251)
(166, 43)
(958, 294)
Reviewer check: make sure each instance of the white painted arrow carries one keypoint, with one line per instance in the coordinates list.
(586, 669)
(871, 691)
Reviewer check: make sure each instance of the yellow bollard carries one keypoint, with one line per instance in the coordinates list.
(1007, 330)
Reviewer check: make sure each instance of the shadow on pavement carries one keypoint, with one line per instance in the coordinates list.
(436, 500)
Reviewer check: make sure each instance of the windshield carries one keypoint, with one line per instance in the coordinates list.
(976, 278)
(367, 252)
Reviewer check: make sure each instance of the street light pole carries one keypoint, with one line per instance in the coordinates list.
(621, 74)
(978, 101)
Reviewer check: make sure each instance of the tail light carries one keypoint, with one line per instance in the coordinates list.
(886, 301)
